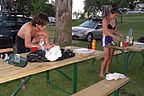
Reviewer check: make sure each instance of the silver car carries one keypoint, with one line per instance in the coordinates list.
(88, 30)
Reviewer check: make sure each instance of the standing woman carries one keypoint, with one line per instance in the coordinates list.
(109, 29)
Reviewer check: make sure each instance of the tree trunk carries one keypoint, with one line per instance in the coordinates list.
(63, 27)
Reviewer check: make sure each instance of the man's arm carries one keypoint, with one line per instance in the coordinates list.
(28, 37)
(42, 35)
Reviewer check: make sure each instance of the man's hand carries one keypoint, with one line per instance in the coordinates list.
(48, 46)
(121, 36)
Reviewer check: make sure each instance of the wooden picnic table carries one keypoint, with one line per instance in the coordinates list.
(10, 72)
(126, 60)
(130, 49)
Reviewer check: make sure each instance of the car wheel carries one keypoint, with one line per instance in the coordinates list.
(89, 36)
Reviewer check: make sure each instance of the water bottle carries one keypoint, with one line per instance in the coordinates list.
(17, 60)
(127, 40)
(131, 41)
(41, 43)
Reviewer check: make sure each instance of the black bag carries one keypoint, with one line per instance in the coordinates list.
(39, 55)
(66, 54)
(141, 39)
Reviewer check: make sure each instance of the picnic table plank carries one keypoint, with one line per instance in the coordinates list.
(103, 88)
(129, 48)
(10, 72)
(6, 50)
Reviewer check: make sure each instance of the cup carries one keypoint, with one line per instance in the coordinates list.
(34, 48)
(125, 44)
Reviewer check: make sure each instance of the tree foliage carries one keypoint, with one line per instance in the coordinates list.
(141, 1)
(37, 6)
(28, 6)
(89, 4)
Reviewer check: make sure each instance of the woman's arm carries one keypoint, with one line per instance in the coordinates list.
(117, 32)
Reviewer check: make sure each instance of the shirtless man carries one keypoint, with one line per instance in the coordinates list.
(31, 32)
(109, 29)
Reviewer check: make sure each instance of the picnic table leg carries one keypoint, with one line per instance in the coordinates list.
(131, 57)
(125, 63)
(51, 84)
(116, 92)
(117, 59)
(20, 86)
(93, 66)
(74, 78)
(48, 77)
(143, 59)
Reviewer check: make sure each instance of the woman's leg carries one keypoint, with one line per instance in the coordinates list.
(109, 60)
(103, 64)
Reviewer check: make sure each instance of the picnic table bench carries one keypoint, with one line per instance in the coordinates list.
(103, 88)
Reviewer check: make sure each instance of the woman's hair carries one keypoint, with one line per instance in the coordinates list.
(114, 11)
(40, 19)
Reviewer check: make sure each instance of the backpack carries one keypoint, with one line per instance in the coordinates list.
(141, 39)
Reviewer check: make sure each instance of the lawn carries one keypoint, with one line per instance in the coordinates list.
(37, 85)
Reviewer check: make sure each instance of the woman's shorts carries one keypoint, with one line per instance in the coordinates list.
(105, 40)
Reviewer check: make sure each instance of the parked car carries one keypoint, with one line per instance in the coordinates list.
(51, 19)
(88, 30)
(134, 11)
(9, 26)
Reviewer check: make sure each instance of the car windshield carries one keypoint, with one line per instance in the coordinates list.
(89, 24)
(7, 21)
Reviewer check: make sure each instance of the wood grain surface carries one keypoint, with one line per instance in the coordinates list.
(11, 72)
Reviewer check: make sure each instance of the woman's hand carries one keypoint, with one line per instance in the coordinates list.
(117, 38)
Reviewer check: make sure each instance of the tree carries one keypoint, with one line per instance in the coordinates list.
(63, 27)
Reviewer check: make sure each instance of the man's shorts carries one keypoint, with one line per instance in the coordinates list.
(20, 45)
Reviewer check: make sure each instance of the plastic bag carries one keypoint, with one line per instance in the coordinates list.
(39, 55)
(66, 54)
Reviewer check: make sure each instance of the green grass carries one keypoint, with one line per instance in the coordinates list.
(37, 85)
(134, 21)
